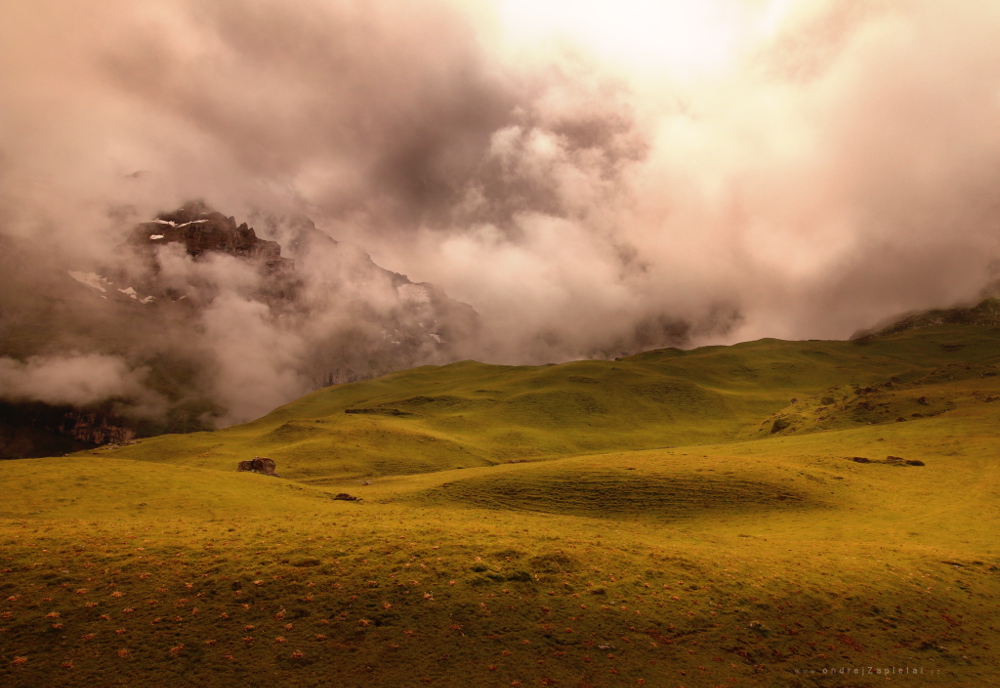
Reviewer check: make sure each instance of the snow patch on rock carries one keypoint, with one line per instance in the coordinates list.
(91, 279)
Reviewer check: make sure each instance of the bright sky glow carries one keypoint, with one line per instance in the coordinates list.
(688, 39)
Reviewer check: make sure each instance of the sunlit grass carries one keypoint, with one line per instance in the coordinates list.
(615, 561)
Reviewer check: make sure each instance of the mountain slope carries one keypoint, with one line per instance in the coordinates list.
(986, 313)
(471, 414)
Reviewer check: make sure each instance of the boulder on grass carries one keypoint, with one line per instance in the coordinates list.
(258, 464)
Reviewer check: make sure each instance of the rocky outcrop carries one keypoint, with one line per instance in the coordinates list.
(94, 428)
(203, 230)
(258, 464)
(33, 429)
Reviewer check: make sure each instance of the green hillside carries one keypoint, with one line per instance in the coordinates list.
(749, 515)
(471, 414)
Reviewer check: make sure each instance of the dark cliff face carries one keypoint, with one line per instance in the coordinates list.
(203, 230)
(34, 429)
(204, 233)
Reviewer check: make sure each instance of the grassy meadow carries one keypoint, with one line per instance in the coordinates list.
(773, 513)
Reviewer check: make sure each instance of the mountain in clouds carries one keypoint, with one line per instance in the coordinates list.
(201, 229)
(986, 313)
(195, 322)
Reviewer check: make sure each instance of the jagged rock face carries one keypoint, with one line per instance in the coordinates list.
(203, 230)
(34, 429)
(94, 428)
(205, 233)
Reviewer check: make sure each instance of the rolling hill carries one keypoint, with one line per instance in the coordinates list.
(471, 414)
(765, 514)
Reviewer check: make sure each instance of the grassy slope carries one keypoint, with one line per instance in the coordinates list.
(735, 557)
(470, 414)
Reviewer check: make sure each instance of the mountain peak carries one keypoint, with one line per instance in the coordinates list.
(202, 230)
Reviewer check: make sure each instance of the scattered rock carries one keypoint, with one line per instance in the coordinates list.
(258, 464)
(922, 401)
(346, 497)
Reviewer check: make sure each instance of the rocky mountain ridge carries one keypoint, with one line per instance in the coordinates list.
(215, 324)
(201, 229)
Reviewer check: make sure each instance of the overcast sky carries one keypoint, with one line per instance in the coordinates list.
(582, 173)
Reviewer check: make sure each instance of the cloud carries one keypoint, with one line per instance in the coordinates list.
(830, 163)
(256, 362)
(74, 379)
